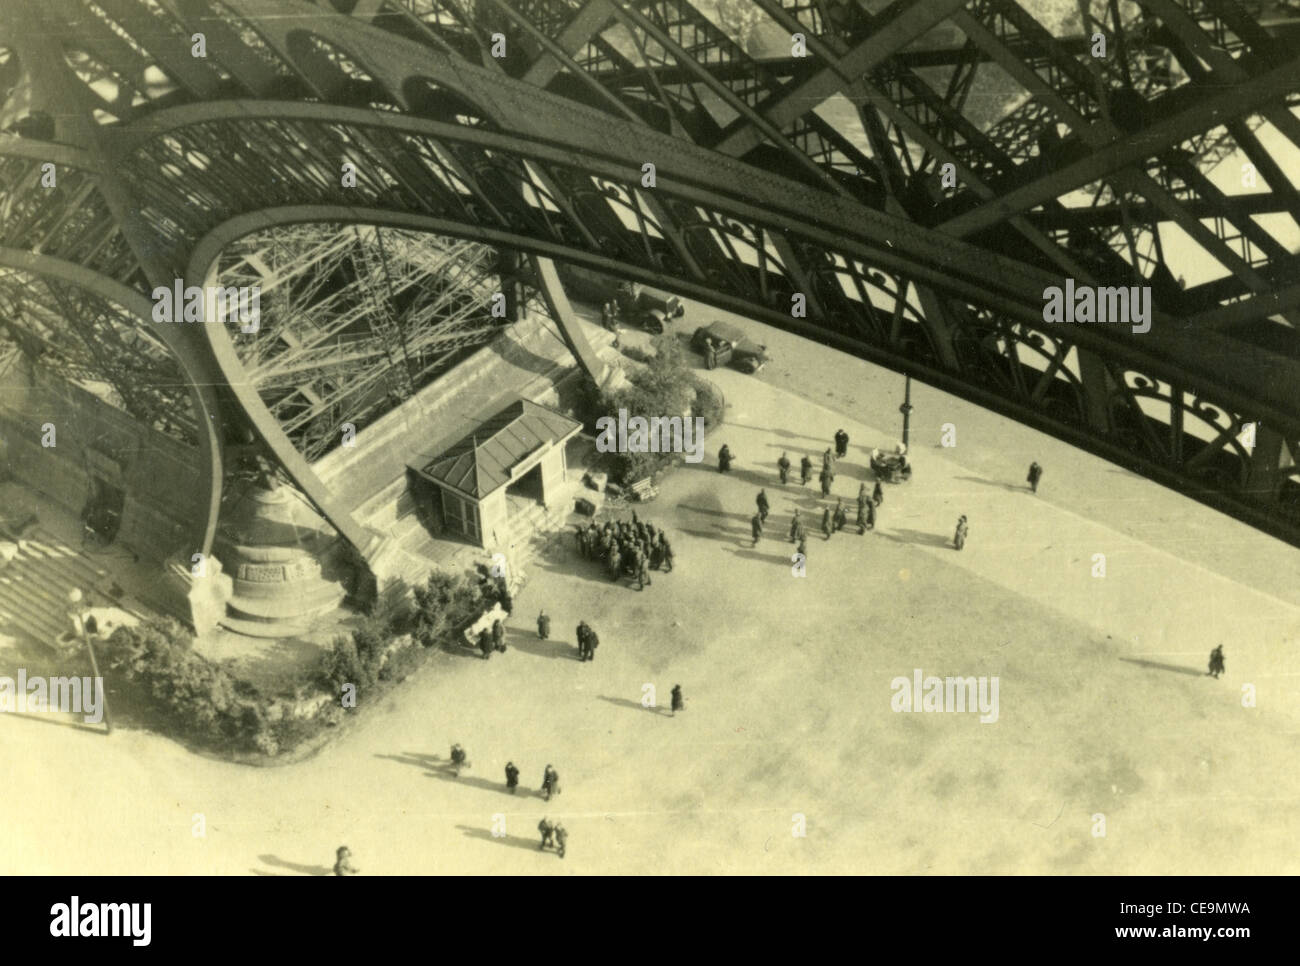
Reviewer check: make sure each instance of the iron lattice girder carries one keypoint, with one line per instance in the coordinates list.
(825, 224)
(710, 217)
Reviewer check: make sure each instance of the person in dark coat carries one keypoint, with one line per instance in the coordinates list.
(592, 643)
(959, 539)
(756, 527)
(841, 443)
(795, 526)
(543, 626)
(668, 554)
(485, 643)
(878, 494)
(498, 636)
(459, 759)
(581, 634)
(1216, 662)
(826, 522)
(863, 497)
(550, 783)
(839, 517)
(512, 777)
(871, 516)
(724, 459)
(642, 571)
(547, 828)
(763, 505)
(826, 478)
(783, 468)
(561, 839)
(805, 470)
(679, 703)
(802, 549)
(343, 862)
(1035, 474)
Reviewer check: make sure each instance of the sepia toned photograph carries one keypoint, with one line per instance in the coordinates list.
(893, 407)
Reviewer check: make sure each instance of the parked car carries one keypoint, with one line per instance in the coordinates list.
(722, 344)
(638, 305)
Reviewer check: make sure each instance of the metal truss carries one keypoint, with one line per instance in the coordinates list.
(173, 159)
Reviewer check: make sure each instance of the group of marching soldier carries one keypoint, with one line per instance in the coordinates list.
(636, 548)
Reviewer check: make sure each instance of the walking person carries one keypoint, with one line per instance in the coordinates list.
(795, 527)
(582, 632)
(668, 554)
(543, 626)
(459, 760)
(839, 517)
(756, 527)
(1035, 474)
(547, 828)
(878, 494)
(679, 703)
(763, 505)
(343, 862)
(512, 777)
(724, 458)
(826, 478)
(841, 444)
(1216, 662)
(642, 571)
(802, 549)
(550, 783)
(592, 643)
(783, 468)
(805, 470)
(959, 539)
(826, 522)
(561, 838)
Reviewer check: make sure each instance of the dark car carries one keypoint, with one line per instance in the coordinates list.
(722, 344)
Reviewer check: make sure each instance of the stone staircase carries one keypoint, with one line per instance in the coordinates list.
(34, 588)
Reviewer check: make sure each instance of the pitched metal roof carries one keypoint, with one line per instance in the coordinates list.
(480, 463)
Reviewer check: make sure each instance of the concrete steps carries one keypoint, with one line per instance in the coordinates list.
(34, 588)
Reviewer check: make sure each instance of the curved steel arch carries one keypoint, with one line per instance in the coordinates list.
(733, 229)
(202, 378)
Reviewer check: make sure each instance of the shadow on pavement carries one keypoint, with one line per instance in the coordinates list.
(513, 841)
(1157, 666)
(280, 863)
(634, 705)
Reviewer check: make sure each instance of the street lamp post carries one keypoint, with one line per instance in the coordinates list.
(74, 597)
(906, 408)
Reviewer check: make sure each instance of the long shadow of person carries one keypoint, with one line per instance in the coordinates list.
(514, 841)
(280, 863)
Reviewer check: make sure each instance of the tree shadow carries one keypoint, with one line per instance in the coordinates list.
(280, 863)
(917, 537)
(1157, 666)
(634, 705)
(514, 841)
